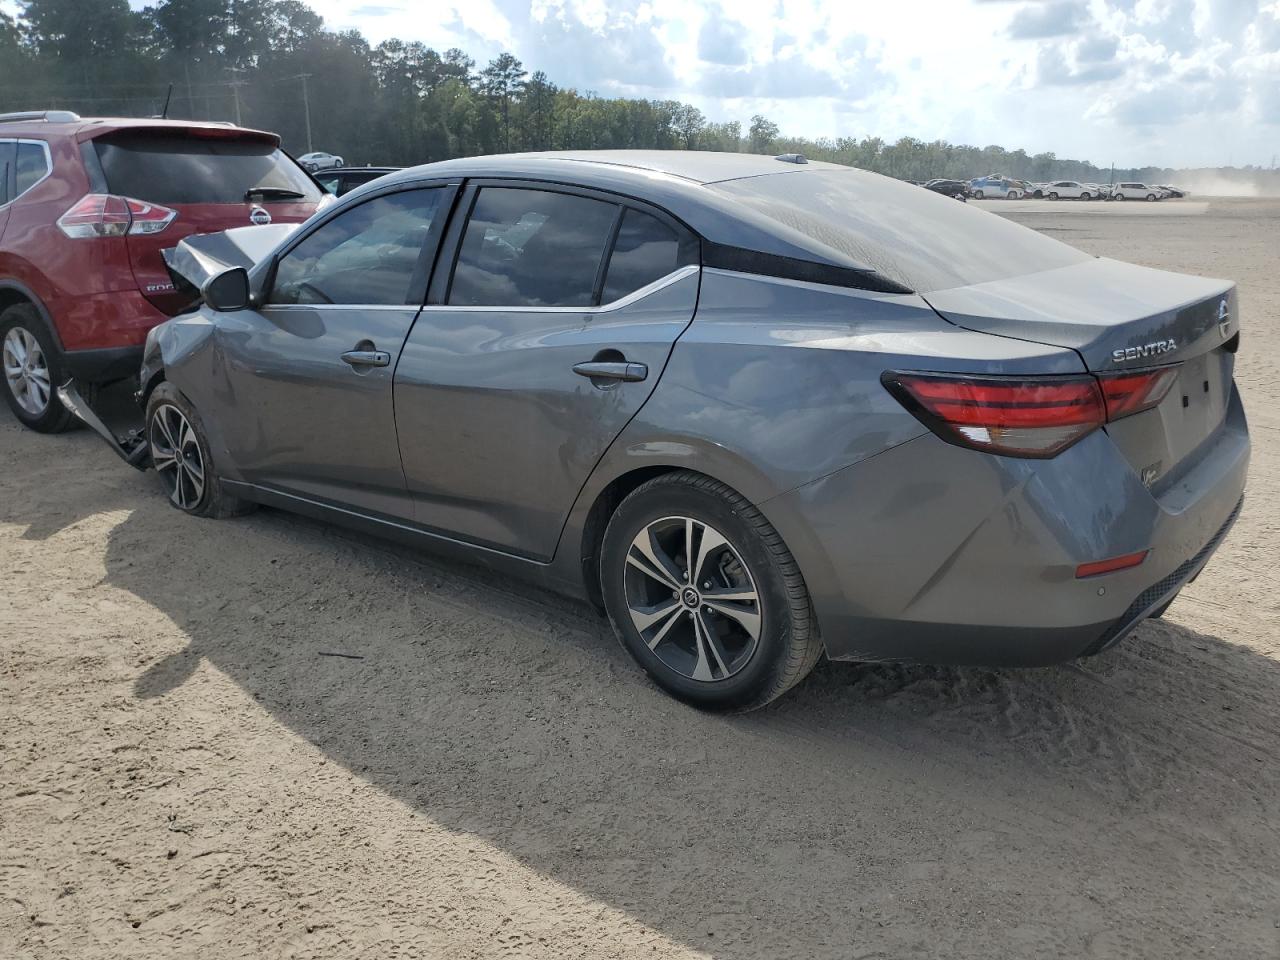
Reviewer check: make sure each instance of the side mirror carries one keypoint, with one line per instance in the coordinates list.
(227, 291)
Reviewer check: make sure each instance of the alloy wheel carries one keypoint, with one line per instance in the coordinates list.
(692, 598)
(26, 371)
(175, 451)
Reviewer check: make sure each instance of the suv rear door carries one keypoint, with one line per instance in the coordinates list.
(208, 176)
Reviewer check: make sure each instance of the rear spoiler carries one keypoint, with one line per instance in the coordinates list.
(202, 256)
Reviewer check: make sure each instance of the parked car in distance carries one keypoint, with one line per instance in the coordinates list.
(622, 326)
(85, 209)
(1069, 190)
(1135, 191)
(997, 187)
(342, 180)
(319, 160)
(1176, 193)
(949, 188)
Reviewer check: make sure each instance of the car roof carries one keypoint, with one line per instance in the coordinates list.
(87, 128)
(680, 182)
(695, 166)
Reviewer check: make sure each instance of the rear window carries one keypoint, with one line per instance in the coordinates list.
(168, 169)
(918, 238)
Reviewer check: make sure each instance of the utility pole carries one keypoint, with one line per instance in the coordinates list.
(306, 109)
(236, 84)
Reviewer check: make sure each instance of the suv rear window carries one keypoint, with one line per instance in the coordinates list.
(920, 239)
(167, 169)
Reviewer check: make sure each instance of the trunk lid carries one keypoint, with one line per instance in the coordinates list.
(213, 177)
(1120, 317)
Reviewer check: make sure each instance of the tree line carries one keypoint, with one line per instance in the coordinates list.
(272, 64)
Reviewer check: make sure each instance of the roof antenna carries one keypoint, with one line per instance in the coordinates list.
(164, 114)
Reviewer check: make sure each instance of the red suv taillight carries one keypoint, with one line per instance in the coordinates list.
(106, 215)
(1025, 416)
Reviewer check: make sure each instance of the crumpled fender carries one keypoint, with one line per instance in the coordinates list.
(202, 256)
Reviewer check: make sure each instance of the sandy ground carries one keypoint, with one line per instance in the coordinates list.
(187, 771)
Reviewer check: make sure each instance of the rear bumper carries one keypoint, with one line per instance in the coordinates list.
(935, 554)
(103, 365)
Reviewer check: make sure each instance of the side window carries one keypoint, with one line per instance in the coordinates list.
(531, 248)
(7, 149)
(31, 167)
(646, 250)
(366, 255)
(330, 182)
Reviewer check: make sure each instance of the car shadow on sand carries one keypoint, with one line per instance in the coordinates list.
(873, 811)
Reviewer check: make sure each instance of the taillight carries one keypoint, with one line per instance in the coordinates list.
(1024, 416)
(1128, 393)
(106, 215)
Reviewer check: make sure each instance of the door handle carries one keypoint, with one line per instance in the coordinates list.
(611, 370)
(367, 358)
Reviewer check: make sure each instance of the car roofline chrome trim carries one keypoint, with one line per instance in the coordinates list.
(675, 276)
(811, 285)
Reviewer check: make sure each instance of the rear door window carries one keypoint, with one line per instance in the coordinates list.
(368, 255)
(31, 166)
(181, 169)
(7, 150)
(646, 250)
(532, 248)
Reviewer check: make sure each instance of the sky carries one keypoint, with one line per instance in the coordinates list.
(1178, 83)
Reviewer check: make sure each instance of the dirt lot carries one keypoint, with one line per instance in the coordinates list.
(186, 771)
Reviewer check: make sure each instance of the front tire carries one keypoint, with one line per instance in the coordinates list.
(182, 458)
(32, 370)
(706, 597)
(977, 194)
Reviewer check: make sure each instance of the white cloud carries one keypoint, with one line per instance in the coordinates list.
(1135, 81)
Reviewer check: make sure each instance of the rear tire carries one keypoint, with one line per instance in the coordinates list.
(737, 634)
(182, 458)
(32, 371)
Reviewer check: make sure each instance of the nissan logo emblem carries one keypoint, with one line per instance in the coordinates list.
(258, 215)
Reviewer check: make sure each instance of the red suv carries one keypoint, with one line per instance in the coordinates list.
(86, 206)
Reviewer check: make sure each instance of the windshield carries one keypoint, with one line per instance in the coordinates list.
(174, 169)
(919, 238)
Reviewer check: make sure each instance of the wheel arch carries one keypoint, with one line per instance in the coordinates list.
(13, 294)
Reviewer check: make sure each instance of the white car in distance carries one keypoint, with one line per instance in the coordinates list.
(1136, 191)
(1069, 190)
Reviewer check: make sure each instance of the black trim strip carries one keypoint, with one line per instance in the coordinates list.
(741, 260)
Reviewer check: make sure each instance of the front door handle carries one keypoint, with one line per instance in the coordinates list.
(367, 358)
(611, 370)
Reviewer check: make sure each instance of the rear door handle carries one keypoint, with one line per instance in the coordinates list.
(367, 358)
(611, 370)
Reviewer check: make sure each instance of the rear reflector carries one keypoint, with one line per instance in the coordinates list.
(1025, 416)
(1016, 416)
(106, 215)
(1110, 566)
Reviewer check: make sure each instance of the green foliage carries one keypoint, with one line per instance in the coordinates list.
(399, 102)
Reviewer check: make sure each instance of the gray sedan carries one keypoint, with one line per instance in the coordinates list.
(756, 409)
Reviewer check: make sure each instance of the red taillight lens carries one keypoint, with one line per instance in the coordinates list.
(1026, 416)
(1128, 393)
(105, 215)
(1015, 416)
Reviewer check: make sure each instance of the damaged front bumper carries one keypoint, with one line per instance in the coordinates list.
(132, 447)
